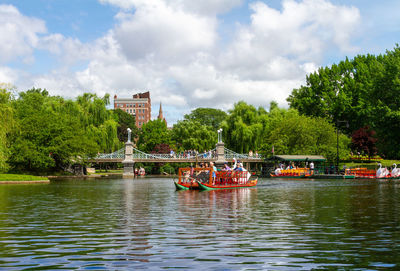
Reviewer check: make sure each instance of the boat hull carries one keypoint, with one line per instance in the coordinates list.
(331, 176)
(206, 186)
(186, 186)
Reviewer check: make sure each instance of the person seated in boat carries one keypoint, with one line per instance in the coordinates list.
(244, 174)
(226, 167)
(236, 164)
(239, 167)
(186, 176)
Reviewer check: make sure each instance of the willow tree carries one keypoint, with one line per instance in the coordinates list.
(244, 127)
(54, 132)
(99, 123)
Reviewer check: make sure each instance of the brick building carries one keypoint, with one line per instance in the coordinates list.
(139, 106)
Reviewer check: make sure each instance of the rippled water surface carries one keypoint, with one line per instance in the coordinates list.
(145, 224)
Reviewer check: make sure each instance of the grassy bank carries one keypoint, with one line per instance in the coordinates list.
(19, 177)
(371, 165)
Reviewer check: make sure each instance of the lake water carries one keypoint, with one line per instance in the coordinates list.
(121, 224)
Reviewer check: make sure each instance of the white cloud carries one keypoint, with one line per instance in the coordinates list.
(172, 48)
(19, 34)
(205, 7)
(7, 75)
(162, 32)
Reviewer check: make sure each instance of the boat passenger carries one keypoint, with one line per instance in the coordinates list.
(235, 165)
(311, 167)
(239, 166)
(226, 167)
(214, 170)
(187, 176)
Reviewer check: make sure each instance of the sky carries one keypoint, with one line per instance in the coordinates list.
(187, 53)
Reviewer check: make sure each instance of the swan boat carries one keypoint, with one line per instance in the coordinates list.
(204, 179)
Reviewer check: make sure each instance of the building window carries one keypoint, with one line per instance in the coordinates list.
(134, 111)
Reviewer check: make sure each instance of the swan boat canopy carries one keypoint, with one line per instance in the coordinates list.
(298, 172)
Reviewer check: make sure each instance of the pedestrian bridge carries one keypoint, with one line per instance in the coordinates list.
(139, 156)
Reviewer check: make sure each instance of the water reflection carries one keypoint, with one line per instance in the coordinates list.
(146, 224)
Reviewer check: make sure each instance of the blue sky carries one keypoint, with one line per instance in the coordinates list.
(188, 54)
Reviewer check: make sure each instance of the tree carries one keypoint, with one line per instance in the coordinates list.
(364, 141)
(244, 127)
(207, 116)
(125, 121)
(49, 135)
(363, 91)
(192, 135)
(53, 132)
(98, 121)
(7, 123)
(292, 133)
(153, 133)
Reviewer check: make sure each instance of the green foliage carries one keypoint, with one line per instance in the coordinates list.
(125, 121)
(7, 123)
(167, 168)
(247, 128)
(363, 91)
(192, 135)
(99, 122)
(153, 133)
(207, 117)
(53, 132)
(296, 134)
(244, 127)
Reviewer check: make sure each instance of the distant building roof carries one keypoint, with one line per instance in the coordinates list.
(142, 95)
(316, 158)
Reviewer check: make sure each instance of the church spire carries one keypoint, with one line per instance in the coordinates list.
(160, 114)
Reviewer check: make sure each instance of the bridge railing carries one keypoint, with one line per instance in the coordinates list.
(120, 154)
(138, 154)
(231, 154)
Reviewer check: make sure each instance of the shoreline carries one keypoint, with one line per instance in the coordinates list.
(21, 179)
(24, 182)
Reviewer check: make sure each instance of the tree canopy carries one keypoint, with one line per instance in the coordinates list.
(192, 135)
(207, 116)
(125, 121)
(362, 91)
(7, 123)
(52, 132)
(153, 133)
